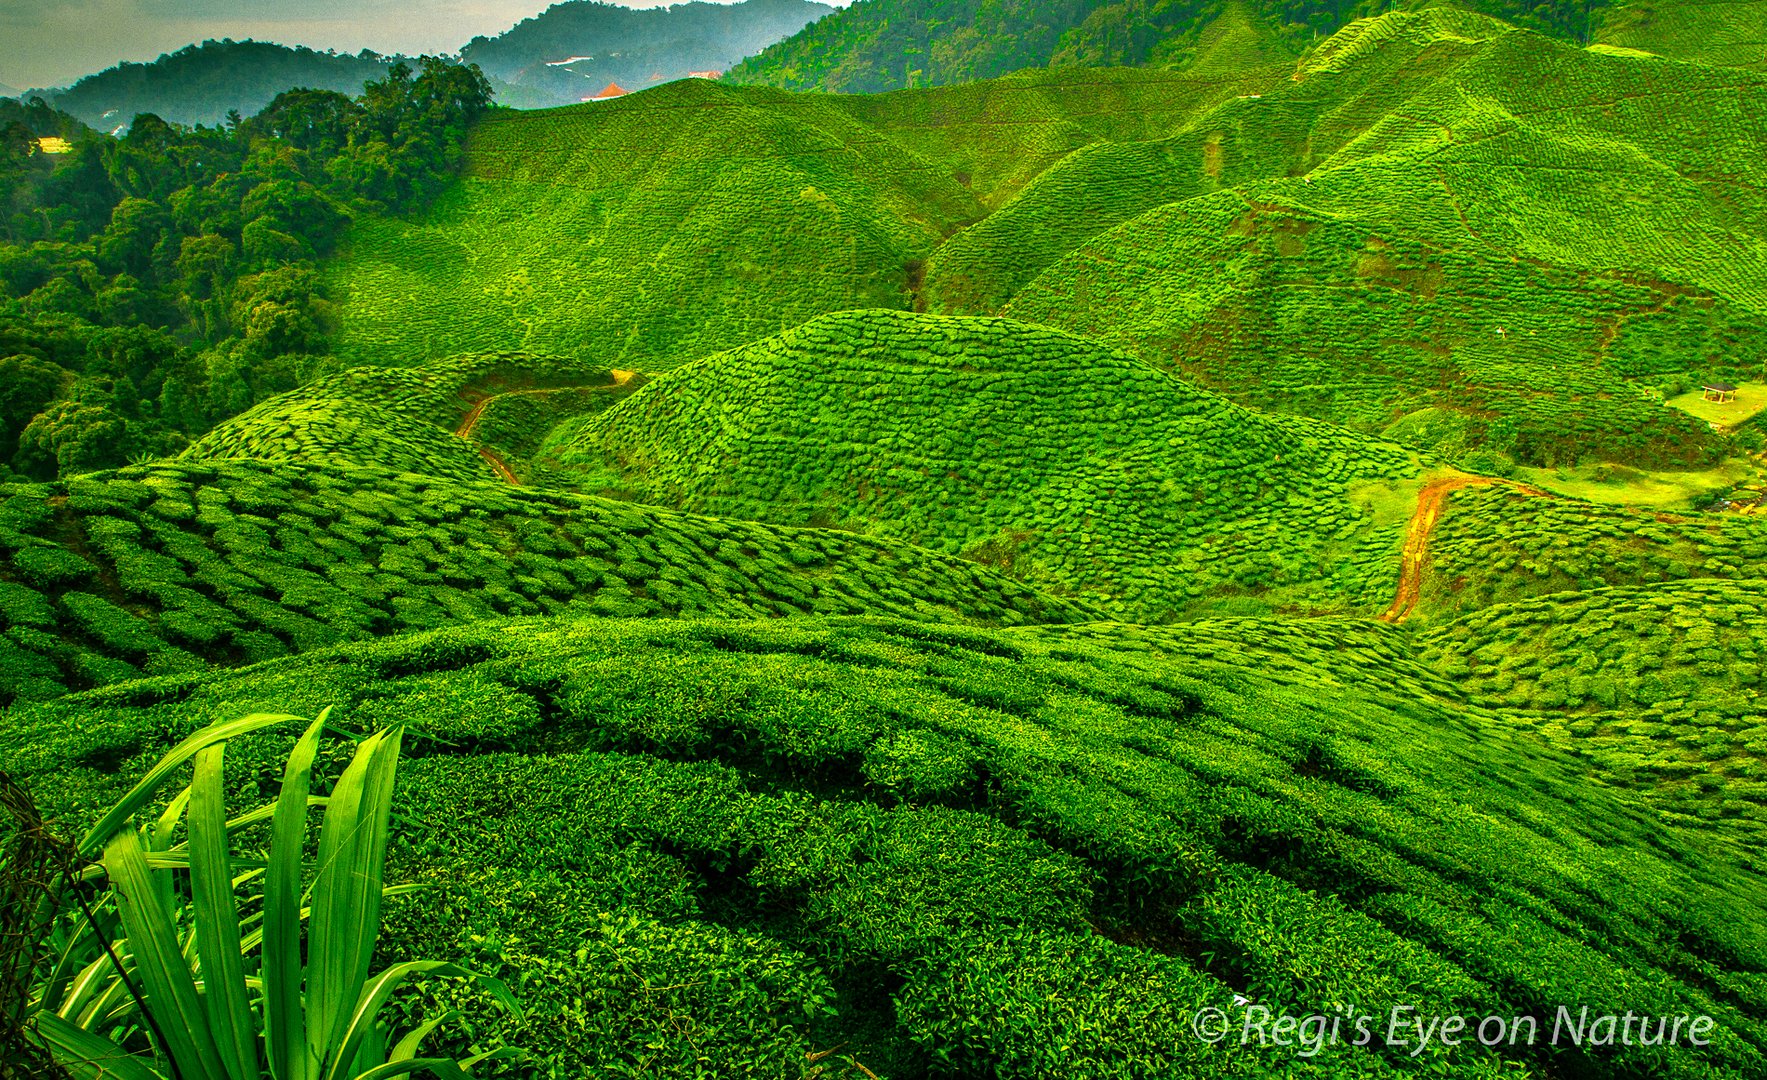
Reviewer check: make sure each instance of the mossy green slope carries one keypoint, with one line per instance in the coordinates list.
(1727, 33)
(1441, 211)
(1661, 686)
(685, 219)
(174, 567)
(1075, 467)
(1497, 544)
(433, 418)
(961, 852)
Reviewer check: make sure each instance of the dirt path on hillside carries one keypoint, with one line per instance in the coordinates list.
(1415, 554)
(470, 421)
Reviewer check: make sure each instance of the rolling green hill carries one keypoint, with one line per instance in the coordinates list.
(1496, 545)
(696, 216)
(1727, 33)
(963, 852)
(1423, 219)
(1660, 685)
(679, 221)
(1435, 212)
(1067, 464)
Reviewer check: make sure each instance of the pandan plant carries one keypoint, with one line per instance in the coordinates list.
(190, 965)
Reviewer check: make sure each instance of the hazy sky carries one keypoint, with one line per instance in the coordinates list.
(53, 42)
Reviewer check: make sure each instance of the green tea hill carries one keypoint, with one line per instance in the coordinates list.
(1661, 686)
(1434, 214)
(697, 216)
(1075, 467)
(460, 417)
(176, 567)
(679, 221)
(936, 851)
(1439, 211)
(1498, 544)
(1729, 33)
(878, 45)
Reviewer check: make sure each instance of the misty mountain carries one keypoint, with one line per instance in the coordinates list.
(199, 84)
(571, 50)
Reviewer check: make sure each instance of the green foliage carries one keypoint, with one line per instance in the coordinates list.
(1494, 545)
(891, 44)
(155, 283)
(1660, 686)
(173, 920)
(1425, 254)
(696, 861)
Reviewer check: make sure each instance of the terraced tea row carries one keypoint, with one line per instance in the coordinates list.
(1661, 686)
(755, 820)
(168, 568)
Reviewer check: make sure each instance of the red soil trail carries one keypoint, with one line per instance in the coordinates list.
(498, 466)
(471, 420)
(1416, 551)
(1415, 554)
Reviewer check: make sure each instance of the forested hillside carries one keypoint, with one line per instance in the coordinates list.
(206, 83)
(161, 281)
(876, 45)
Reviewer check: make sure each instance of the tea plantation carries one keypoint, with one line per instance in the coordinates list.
(940, 584)
(167, 568)
(1498, 544)
(1520, 231)
(720, 848)
(1661, 687)
(1432, 210)
(1073, 467)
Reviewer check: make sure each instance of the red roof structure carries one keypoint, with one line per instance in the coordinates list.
(612, 90)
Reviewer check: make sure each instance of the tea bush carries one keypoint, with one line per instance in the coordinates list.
(701, 858)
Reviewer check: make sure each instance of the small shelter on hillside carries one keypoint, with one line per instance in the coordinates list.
(611, 90)
(705, 74)
(1719, 392)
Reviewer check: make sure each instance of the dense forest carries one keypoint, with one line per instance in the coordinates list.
(154, 283)
(201, 84)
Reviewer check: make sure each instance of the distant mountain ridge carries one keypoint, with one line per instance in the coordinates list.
(571, 50)
(200, 84)
(558, 57)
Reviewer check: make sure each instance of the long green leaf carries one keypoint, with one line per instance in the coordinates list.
(406, 1048)
(216, 914)
(347, 891)
(170, 992)
(89, 1056)
(158, 839)
(446, 1068)
(376, 994)
(285, 1033)
(143, 792)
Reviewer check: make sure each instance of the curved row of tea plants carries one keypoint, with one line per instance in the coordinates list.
(960, 852)
(173, 567)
